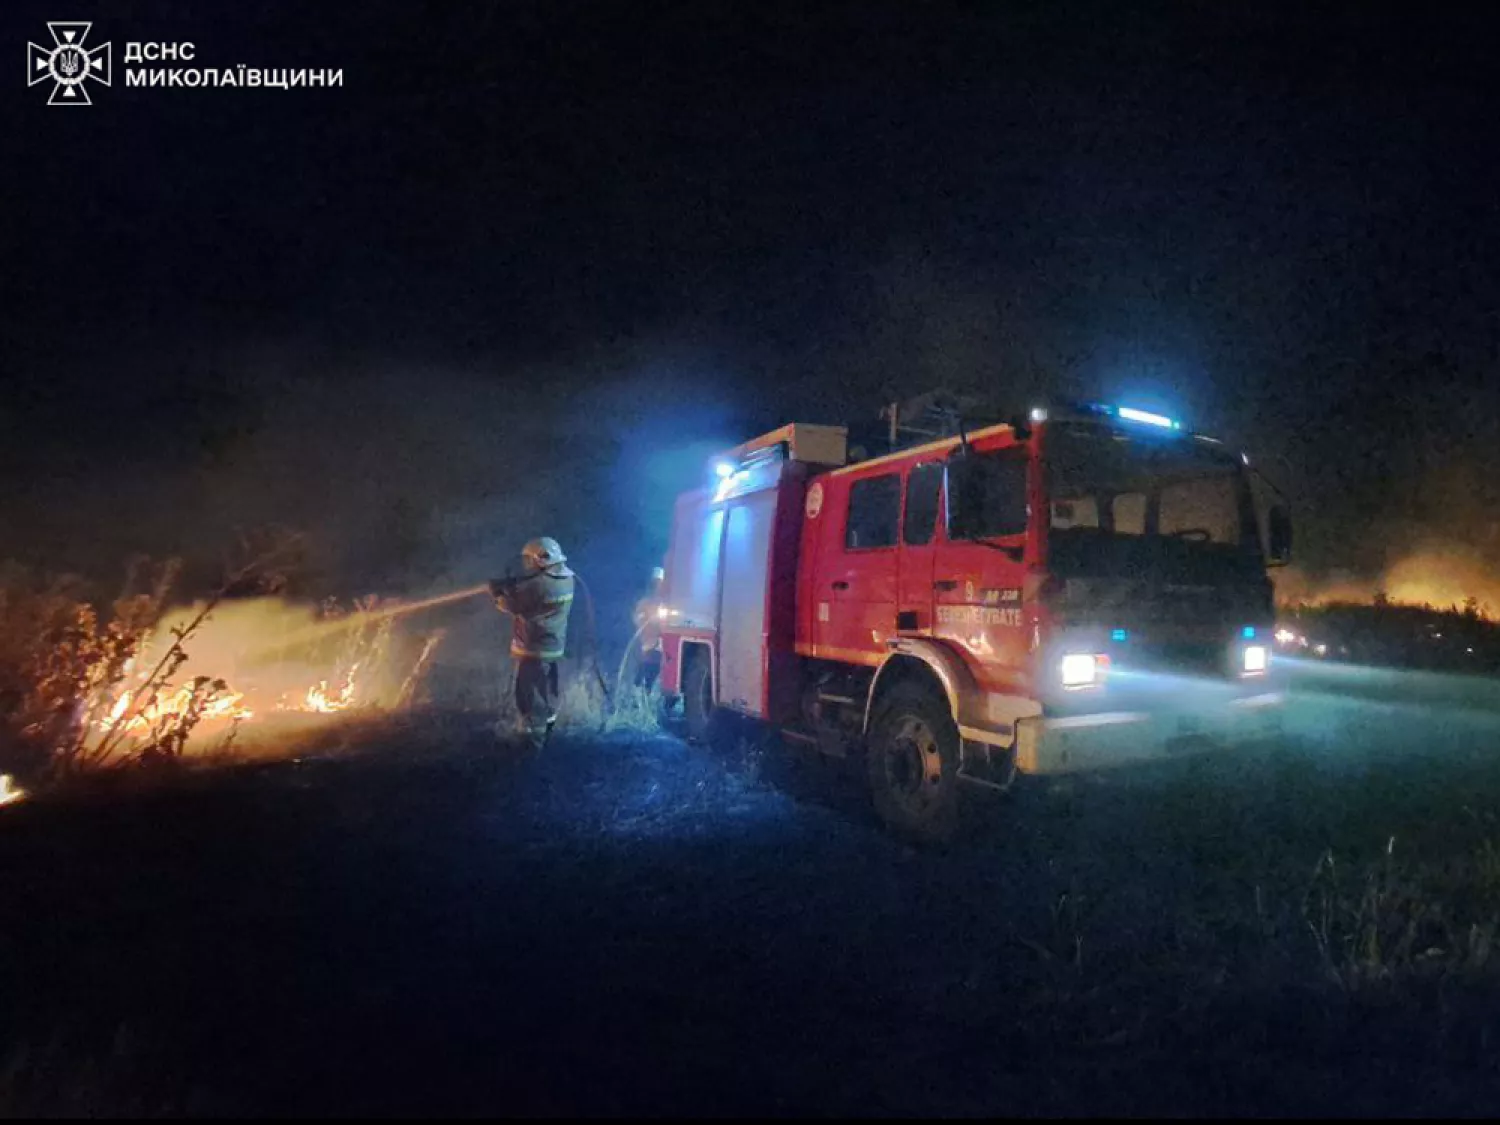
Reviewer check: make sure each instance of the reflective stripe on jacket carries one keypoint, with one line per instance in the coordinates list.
(538, 605)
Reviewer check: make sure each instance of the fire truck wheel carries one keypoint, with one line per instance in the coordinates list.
(912, 758)
(697, 698)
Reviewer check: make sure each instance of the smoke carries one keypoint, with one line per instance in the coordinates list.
(406, 479)
(1437, 572)
(276, 652)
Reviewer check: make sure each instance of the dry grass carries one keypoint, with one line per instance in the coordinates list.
(65, 666)
(1390, 923)
(584, 708)
(636, 710)
(87, 687)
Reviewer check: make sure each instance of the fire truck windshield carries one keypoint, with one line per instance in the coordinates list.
(1130, 504)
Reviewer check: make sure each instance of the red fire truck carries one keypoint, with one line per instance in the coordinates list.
(1080, 587)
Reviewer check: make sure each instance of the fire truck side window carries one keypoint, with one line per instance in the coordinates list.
(924, 484)
(874, 513)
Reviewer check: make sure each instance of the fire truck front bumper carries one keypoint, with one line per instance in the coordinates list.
(1106, 739)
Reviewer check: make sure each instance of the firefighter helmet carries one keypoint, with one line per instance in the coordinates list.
(542, 554)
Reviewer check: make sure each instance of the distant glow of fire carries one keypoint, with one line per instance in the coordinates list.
(9, 793)
(1442, 575)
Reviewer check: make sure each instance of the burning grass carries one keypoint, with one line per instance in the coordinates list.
(140, 682)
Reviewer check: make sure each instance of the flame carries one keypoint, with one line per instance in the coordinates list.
(9, 793)
(228, 706)
(270, 649)
(319, 699)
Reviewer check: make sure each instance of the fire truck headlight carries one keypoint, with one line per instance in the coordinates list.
(1082, 669)
(1255, 659)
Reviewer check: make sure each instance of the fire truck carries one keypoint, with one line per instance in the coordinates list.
(1081, 587)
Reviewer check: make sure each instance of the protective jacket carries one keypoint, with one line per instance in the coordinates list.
(538, 605)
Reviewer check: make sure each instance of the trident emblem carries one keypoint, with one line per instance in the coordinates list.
(67, 64)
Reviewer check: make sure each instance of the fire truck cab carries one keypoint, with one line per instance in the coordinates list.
(1072, 590)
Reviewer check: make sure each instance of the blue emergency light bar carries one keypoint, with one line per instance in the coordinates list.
(1110, 410)
(1131, 414)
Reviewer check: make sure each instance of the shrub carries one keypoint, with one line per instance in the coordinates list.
(83, 687)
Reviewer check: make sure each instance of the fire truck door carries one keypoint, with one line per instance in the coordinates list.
(857, 573)
(979, 572)
(919, 521)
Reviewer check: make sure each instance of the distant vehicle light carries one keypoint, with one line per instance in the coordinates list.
(1321, 650)
(1245, 457)
(1285, 637)
(1255, 659)
(1131, 414)
(1038, 413)
(1082, 669)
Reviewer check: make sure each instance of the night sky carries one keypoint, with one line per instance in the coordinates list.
(534, 260)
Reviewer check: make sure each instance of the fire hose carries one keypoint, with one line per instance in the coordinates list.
(593, 636)
(630, 647)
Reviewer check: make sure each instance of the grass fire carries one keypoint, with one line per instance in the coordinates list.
(145, 682)
(750, 560)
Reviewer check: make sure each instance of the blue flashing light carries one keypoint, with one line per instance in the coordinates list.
(1120, 635)
(1131, 414)
(1248, 632)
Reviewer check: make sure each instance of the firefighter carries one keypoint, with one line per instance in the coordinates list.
(538, 603)
(648, 621)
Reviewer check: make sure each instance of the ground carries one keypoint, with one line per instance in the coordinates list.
(629, 925)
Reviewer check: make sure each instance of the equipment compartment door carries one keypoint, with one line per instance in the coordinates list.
(742, 606)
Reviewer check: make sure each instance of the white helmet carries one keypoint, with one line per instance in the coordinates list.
(542, 554)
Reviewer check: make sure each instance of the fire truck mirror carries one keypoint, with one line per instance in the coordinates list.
(1279, 525)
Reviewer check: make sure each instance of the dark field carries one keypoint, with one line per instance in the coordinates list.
(633, 926)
